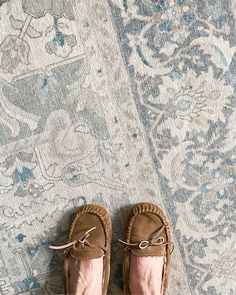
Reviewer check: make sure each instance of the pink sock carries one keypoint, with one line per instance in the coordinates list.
(146, 274)
(86, 276)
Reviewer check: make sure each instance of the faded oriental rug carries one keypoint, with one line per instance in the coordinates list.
(115, 102)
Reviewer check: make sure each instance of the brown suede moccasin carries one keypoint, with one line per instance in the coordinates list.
(148, 234)
(89, 237)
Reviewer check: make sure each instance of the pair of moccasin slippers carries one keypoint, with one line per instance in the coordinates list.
(90, 236)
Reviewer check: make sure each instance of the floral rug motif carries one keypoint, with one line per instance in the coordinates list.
(116, 102)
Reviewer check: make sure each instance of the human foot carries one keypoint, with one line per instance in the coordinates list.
(146, 274)
(86, 276)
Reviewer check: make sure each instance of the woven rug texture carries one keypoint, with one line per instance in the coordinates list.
(116, 102)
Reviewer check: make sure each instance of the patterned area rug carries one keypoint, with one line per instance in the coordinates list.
(115, 102)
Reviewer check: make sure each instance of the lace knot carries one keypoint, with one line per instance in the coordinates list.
(76, 244)
(156, 240)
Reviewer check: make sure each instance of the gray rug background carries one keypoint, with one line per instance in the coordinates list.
(116, 102)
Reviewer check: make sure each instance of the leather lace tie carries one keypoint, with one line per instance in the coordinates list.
(156, 240)
(77, 244)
